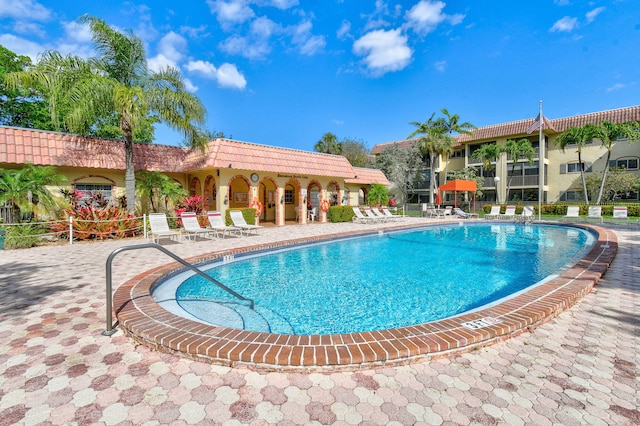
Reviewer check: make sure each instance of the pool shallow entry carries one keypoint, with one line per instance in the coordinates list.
(148, 322)
(397, 279)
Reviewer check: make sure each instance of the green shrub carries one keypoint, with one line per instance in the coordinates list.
(340, 214)
(23, 236)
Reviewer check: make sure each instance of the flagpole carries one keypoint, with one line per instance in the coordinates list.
(541, 151)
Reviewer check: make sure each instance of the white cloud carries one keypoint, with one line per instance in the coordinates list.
(566, 24)
(160, 61)
(188, 84)
(22, 47)
(615, 87)
(283, 4)
(29, 28)
(77, 31)
(172, 45)
(306, 43)
(256, 44)
(229, 76)
(226, 76)
(231, 12)
(441, 65)
(24, 10)
(425, 16)
(456, 18)
(343, 31)
(384, 51)
(592, 14)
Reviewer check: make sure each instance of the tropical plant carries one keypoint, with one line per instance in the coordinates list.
(24, 189)
(194, 204)
(356, 152)
(451, 124)
(378, 195)
(608, 133)
(579, 137)
(157, 186)
(517, 150)
(488, 153)
(619, 182)
(434, 142)
(403, 167)
(328, 144)
(121, 85)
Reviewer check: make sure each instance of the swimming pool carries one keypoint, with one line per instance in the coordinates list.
(395, 279)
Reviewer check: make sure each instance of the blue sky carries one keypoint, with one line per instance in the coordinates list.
(284, 72)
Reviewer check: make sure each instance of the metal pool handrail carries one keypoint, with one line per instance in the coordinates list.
(110, 330)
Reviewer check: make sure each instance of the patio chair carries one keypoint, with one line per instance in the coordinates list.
(239, 222)
(447, 211)
(372, 216)
(217, 225)
(359, 217)
(376, 212)
(527, 214)
(619, 215)
(160, 228)
(494, 213)
(463, 214)
(573, 212)
(595, 213)
(387, 213)
(311, 214)
(509, 213)
(191, 226)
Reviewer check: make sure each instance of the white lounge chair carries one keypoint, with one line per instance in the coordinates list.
(376, 212)
(387, 213)
(359, 217)
(527, 214)
(463, 214)
(192, 227)
(217, 225)
(494, 213)
(620, 214)
(160, 228)
(595, 213)
(370, 215)
(447, 211)
(509, 213)
(311, 214)
(573, 212)
(239, 222)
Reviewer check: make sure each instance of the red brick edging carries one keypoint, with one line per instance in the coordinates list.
(146, 322)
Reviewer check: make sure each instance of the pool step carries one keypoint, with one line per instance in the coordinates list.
(236, 315)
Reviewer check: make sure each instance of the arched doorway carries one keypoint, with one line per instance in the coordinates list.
(267, 191)
(314, 192)
(333, 193)
(238, 192)
(210, 193)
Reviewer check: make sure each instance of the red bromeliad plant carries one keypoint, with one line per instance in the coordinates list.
(96, 221)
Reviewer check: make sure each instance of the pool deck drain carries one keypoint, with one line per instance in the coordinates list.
(145, 321)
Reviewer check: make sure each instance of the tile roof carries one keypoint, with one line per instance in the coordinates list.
(521, 127)
(370, 176)
(19, 146)
(224, 153)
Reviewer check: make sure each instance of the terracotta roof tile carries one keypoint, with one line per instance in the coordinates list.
(368, 176)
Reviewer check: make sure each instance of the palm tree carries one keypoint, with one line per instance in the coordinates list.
(488, 153)
(452, 124)
(121, 84)
(515, 151)
(608, 133)
(328, 144)
(158, 186)
(25, 188)
(433, 142)
(579, 137)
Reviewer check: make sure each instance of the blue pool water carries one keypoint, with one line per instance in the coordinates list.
(383, 281)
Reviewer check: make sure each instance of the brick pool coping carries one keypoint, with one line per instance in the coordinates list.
(141, 318)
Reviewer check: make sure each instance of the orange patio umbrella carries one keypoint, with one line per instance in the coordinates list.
(459, 185)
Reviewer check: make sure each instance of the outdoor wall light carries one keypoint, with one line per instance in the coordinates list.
(218, 172)
(226, 200)
(282, 200)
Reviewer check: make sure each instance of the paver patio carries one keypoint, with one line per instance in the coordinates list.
(57, 368)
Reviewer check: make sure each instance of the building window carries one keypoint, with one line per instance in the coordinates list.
(90, 191)
(626, 163)
(288, 196)
(572, 196)
(574, 167)
(458, 153)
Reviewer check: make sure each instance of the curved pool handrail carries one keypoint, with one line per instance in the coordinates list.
(110, 329)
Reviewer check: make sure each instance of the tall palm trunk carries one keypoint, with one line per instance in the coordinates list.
(604, 176)
(129, 175)
(584, 180)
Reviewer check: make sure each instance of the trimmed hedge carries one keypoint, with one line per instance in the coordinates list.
(248, 213)
(561, 209)
(340, 214)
